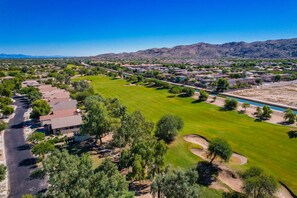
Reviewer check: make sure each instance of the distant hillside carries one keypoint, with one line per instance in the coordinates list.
(272, 49)
(22, 56)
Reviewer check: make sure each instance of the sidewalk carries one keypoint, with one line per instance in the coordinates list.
(4, 183)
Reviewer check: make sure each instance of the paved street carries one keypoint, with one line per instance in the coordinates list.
(20, 161)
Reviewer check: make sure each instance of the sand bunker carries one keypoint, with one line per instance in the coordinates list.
(196, 139)
(227, 175)
(130, 84)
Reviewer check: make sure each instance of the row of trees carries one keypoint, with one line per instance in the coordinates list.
(73, 176)
(6, 90)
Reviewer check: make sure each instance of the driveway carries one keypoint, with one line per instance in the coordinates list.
(19, 159)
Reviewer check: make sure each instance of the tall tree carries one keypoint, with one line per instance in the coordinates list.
(256, 183)
(289, 116)
(266, 114)
(98, 122)
(245, 106)
(133, 128)
(40, 108)
(168, 127)
(180, 184)
(73, 176)
(221, 148)
(230, 104)
(203, 96)
(222, 84)
(43, 148)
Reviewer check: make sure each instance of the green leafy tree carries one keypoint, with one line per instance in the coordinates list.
(73, 176)
(7, 110)
(7, 92)
(93, 100)
(3, 125)
(168, 127)
(245, 106)
(42, 148)
(259, 112)
(81, 85)
(188, 91)
(34, 95)
(180, 184)
(203, 95)
(36, 137)
(258, 184)
(157, 163)
(40, 108)
(222, 84)
(277, 78)
(6, 100)
(98, 122)
(219, 148)
(138, 168)
(230, 104)
(133, 128)
(289, 116)
(176, 90)
(266, 114)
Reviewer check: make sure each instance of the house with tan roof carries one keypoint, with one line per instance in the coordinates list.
(64, 117)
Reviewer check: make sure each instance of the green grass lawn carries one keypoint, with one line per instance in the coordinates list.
(266, 145)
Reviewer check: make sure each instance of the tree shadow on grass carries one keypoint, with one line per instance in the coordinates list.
(207, 173)
(241, 111)
(197, 101)
(80, 148)
(224, 109)
(258, 120)
(292, 134)
(160, 88)
(171, 96)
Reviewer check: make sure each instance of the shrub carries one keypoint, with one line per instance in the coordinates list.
(3, 126)
(168, 126)
(176, 90)
(230, 104)
(189, 91)
(203, 95)
(7, 110)
(2, 172)
(40, 108)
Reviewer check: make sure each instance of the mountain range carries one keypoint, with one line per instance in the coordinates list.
(23, 56)
(270, 49)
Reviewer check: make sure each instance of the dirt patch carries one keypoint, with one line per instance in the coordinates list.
(282, 93)
(107, 138)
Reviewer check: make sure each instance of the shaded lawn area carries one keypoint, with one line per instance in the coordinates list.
(265, 145)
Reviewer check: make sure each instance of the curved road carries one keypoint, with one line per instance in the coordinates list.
(19, 159)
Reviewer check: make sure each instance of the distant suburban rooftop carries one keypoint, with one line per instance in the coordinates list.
(64, 105)
(59, 114)
(69, 121)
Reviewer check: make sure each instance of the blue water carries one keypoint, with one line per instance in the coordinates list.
(258, 104)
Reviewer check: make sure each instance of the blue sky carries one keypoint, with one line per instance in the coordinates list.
(90, 27)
